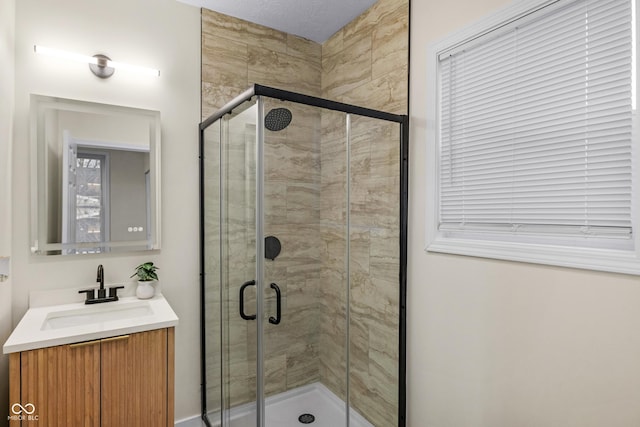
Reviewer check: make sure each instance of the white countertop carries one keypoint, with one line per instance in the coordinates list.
(32, 332)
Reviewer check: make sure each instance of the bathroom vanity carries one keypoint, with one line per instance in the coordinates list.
(79, 365)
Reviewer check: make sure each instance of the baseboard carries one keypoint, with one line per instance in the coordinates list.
(195, 421)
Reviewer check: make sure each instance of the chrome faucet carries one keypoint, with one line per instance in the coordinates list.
(102, 292)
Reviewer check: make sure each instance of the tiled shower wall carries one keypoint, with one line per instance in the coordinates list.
(365, 64)
(235, 54)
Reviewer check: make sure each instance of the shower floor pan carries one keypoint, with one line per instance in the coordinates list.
(291, 408)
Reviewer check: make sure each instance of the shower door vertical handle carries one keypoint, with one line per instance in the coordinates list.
(276, 320)
(242, 289)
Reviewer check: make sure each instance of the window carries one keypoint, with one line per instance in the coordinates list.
(532, 150)
(85, 217)
(90, 209)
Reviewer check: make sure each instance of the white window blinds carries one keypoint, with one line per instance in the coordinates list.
(535, 125)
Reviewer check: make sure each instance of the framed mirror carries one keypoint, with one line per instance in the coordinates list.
(95, 177)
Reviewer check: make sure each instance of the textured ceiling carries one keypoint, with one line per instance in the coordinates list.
(315, 20)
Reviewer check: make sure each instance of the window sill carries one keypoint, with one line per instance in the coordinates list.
(610, 260)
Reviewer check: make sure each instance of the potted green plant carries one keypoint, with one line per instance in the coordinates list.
(147, 277)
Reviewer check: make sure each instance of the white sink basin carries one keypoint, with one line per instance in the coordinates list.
(52, 325)
(99, 313)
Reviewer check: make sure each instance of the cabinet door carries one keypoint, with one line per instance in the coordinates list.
(63, 385)
(135, 380)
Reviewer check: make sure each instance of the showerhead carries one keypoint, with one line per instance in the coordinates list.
(277, 119)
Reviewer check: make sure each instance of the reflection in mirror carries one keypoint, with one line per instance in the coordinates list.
(97, 169)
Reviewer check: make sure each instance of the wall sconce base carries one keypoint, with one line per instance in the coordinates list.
(101, 69)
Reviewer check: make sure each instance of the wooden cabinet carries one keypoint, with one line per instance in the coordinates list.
(61, 383)
(119, 381)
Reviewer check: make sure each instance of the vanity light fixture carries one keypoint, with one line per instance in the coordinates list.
(100, 65)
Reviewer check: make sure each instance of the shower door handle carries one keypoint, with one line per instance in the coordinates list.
(276, 320)
(242, 289)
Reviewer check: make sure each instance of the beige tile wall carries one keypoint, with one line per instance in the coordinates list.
(365, 64)
(235, 54)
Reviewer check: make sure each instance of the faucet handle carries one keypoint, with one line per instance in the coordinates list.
(90, 293)
(113, 291)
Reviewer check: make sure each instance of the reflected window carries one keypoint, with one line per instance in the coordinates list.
(90, 206)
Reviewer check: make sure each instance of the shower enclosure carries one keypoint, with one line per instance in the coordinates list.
(303, 263)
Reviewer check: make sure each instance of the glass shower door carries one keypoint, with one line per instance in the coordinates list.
(230, 306)
(305, 280)
(239, 177)
(301, 301)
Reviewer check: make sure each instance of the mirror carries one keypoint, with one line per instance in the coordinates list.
(95, 170)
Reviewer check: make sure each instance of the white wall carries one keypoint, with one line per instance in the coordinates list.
(494, 343)
(7, 32)
(163, 34)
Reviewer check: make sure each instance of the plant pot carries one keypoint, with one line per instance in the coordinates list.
(145, 290)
